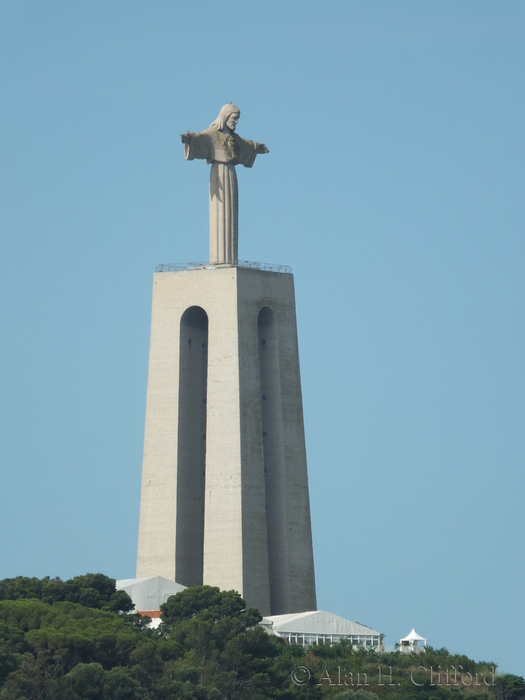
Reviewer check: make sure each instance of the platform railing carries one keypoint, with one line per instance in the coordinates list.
(267, 267)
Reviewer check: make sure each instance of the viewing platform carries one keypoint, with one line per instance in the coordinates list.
(266, 267)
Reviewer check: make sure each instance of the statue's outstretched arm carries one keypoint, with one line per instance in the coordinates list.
(261, 148)
(197, 146)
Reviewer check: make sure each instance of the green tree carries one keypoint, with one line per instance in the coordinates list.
(91, 590)
(513, 687)
(358, 694)
(72, 641)
(26, 682)
(118, 685)
(208, 603)
(86, 681)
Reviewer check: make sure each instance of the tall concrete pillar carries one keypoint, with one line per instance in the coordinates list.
(224, 485)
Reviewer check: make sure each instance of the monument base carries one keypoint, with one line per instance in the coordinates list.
(224, 486)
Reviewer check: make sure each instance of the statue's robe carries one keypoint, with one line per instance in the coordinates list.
(224, 151)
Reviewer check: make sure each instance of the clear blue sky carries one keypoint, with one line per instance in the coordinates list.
(394, 188)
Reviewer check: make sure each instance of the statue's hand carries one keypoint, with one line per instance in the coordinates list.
(185, 138)
(261, 148)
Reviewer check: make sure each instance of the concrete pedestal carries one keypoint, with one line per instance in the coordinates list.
(224, 485)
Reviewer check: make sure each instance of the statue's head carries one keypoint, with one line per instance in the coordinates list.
(228, 117)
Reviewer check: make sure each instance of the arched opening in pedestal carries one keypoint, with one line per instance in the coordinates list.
(191, 453)
(273, 455)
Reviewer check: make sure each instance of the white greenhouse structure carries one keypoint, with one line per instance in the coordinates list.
(320, 627)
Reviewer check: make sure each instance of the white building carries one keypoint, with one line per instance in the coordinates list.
(307, 628)
(320, 627)
(148, 594)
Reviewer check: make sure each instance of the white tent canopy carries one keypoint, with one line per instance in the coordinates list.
(412, 639)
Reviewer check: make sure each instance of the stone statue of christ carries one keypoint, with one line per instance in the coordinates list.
(224, 149)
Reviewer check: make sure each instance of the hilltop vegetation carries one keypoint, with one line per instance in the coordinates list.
(79, 640)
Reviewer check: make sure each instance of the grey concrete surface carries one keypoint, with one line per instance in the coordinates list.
(224, 487)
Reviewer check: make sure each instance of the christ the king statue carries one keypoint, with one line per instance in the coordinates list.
(224, 149)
